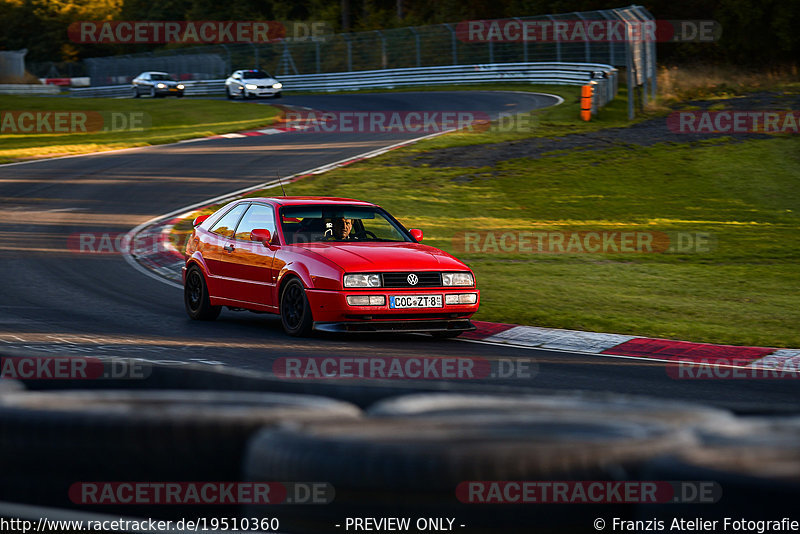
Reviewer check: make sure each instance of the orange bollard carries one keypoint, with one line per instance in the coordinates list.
(586, 102)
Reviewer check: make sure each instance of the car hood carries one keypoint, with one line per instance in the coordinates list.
(260, 81)
(374, 257)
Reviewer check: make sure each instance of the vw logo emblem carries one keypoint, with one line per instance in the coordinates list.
(412, 279)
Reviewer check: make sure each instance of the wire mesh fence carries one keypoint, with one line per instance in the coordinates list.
(421, 46)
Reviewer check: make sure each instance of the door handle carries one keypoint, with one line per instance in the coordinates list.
(228, 248)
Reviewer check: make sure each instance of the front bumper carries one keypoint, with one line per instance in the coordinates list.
(169, 91)
(423, 325)
(262, 92)
(332, 312)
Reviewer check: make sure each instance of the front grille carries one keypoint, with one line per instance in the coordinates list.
(401, 280)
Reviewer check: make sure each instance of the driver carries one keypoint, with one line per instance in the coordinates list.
(342, 228)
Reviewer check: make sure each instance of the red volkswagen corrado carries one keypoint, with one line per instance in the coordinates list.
(330, 264)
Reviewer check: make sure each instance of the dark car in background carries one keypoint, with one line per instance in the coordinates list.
(156, 84)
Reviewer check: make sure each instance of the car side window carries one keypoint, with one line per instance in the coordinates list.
(227, 223)
(258, 216)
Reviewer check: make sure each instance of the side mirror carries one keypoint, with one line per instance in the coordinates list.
(416, 234)
(200, 220)
(260, 234)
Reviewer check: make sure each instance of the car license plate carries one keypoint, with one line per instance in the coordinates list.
(415, 301)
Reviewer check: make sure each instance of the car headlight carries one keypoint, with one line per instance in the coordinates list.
(277, 85)
(457, 279)
(161, 86)
(180, 86)
(251, 86)
(362, 280)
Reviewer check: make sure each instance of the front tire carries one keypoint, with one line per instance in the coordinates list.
(135, 92)
(295, 310)
(195, 297)
(228, 93)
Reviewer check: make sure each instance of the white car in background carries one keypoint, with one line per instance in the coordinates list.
(252, 83)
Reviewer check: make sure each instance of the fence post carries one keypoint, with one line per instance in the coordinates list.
(453, 40)
(416, 39)
(610, 43)
(349, 52)
(641, 21)
(629, 68)
(228, 60)
(383, 48)
(255, 55)
(524, 41)
(558, 39)
(652, 47)
(586, 41)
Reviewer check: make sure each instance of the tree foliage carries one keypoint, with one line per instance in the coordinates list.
(755, 32)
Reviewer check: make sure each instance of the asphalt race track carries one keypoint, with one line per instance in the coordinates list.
(65, 303)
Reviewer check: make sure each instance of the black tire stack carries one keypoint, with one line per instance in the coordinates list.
(413, 452)
(755, 461)
(406, 455)
(52, 440)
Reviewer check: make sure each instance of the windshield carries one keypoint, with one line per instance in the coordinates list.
(253, 74)
(312, 224)
(161, 77)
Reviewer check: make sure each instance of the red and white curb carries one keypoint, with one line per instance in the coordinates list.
(256, 133)
(249, 133)
(637, 347)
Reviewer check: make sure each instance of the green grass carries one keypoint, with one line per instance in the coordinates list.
(166, 121)
(744, 290)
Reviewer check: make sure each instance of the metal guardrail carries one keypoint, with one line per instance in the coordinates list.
(605, 78)
(25, 89)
